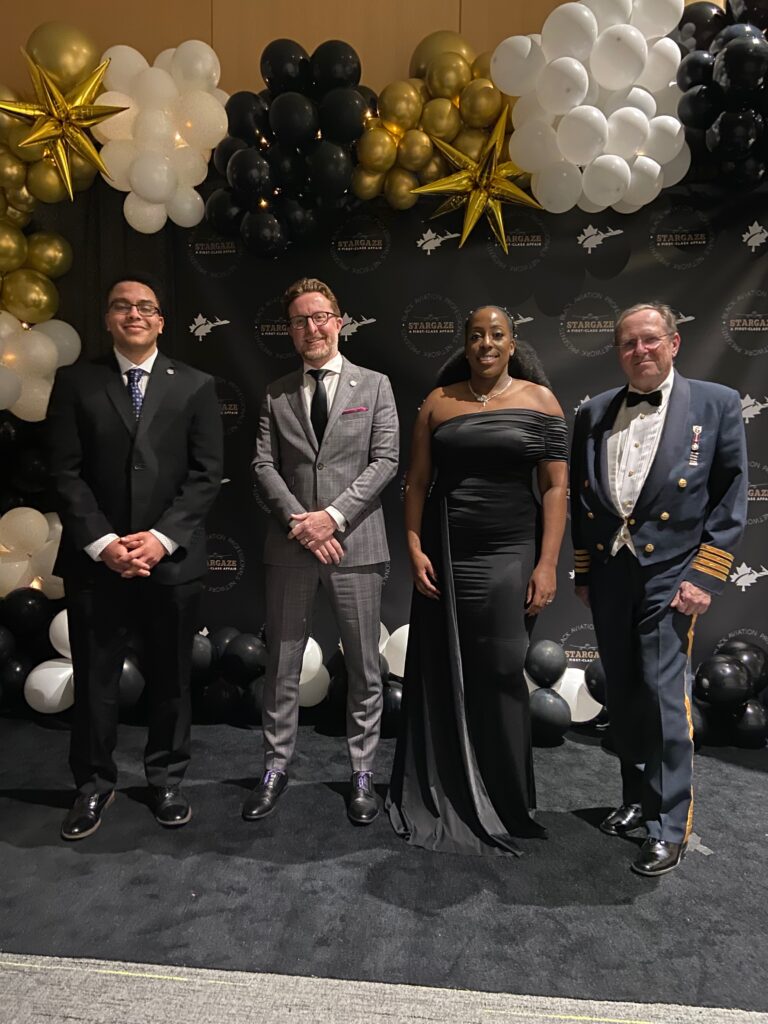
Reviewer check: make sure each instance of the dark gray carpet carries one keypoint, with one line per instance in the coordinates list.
(306, 893)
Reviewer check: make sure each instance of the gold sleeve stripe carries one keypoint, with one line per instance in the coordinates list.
(718, 553)
(714, 562)
(723, 576)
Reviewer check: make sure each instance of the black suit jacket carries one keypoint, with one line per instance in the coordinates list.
(114, 474)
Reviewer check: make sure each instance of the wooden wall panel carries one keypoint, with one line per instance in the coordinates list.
(485, 23)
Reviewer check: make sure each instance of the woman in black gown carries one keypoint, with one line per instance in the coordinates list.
(483, 555)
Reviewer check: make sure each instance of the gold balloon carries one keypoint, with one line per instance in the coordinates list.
(371, 123)
(6, 121)
(441, 119)
(399, 106)
(480, 103)
(26, 153)
(435, 43)
(367, 184)
(421, 88)
(414, 150)
(29, 296)
(481, 65)
(66, 52)
(397, 189)
(13, 247)
(45, 184)
(48, 253)
(435, 169)
(376, 150)
(447, 75)
(20, 198)
(470, 141)
(17, 217)
(13, 172)
(83, 172)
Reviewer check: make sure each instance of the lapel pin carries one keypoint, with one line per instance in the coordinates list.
(170, 370)
(353, 383)
(695, 444)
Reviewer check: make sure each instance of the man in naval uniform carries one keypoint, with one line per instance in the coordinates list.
(658, 506)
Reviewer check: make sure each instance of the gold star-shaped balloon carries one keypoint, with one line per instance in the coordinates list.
(60, 119)
(482, 185)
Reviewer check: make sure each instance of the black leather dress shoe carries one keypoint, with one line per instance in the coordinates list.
(363, 806)
(85, 816)
(262, 800)
(657, 857)
(624, 819)
(171, 807)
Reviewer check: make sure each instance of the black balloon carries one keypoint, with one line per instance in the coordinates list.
(285, 66)
(203, 656)
(330, 169)
(752, 657)
(699, 25)
(26, 611)
(701, 730)
(31, 472)
(750, 725)
(744, 174)
(13, 675)
(224, 213)
(721, 680)
(390, 715)
(333, 64)
(263, 234)
(545, 662)
(10, 434)
(221, 701)
(371, 99)
(343, 114)
(131, 684)
(740, 67)
(11, 498)
(244, 659)
(695, 69)
(293, 119)
(550, 716)
(224, 151)
(753, 11)
(249, 174)
(300, 220)
(252, 699)
(733, 134)
(7, 644)
(594, 677)
(383, 668)
(289, 169)
(247, 116)
(731, 32)
(222, 638)
(700, 106)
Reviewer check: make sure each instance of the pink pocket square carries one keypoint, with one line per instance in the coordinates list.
(357, 408)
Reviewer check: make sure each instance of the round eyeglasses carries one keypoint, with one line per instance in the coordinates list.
(320, 318)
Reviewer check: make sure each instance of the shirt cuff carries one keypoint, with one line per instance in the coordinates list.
(94, 549)
(169, 545)
(338, 518)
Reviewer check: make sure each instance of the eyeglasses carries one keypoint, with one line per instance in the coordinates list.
(652, 342)
(319, 319)
(143, 308)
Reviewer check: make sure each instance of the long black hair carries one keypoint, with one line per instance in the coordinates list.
(524, 364)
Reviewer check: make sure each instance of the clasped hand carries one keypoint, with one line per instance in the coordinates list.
(690, 599)
(315, 532)
(136, 554)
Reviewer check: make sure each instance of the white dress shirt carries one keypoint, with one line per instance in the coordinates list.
(331, 382)
(632, 446)
(96, 547)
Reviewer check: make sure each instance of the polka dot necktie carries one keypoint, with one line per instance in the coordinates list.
(134, 388)
(318, 410)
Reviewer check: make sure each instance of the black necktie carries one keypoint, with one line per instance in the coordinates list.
(318, 410)
(636, 397)
(134, 376)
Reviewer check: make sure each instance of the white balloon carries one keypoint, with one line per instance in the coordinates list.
(528, 108)
(32, 404)
(54, 525)
(395, 650)
(588, 206)
(190, 167)
(535, 37)
(65, 338)
(8, 324)
(624, 207)
(58, 634)
(195, 65)
(515, 65)
(666, 137)
(562, 85)
(124, 64)
(221, 95)
(660, 65)
(627, 131)
(143, 216)
(606, 179)
(655, 18)
(569, 31)
(645, 182)
(533, 145)
(118, 155)
(29, 354)
(311, 660)
(200, 119)
(10, 387)
(582, 134)
(610, 12)
(49, 687)
(558, 186)
(668, 98)
(573, 689)
(14, 572)
(23, 531)
(186, 207)
(618, 57)
(154, 87)
(41, 563)
(120, 126)
(678, 167)
(155, 131)
(383, 637)
(636, 97)
(53, 587)
(313, 688)
(593, 93)
(152, 177)
(164, 58)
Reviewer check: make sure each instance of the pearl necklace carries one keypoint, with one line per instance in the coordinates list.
(485, 399)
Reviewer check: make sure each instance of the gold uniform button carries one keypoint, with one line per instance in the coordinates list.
(682, 482)
(664, 517)
(600, 547)
(648, 549)
(590, 515)
(632, 522)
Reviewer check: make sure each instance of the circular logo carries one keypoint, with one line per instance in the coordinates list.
(432, 326)
(752, 636)
(586, 325)
(226, 563)
(681, 238)
(745, 323)
(757, 494)
(527, 243)
(211, 254)
(580, 645)
(360, 244)
(231, 404)
(271, 331)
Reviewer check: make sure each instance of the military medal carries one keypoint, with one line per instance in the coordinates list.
(695, 444)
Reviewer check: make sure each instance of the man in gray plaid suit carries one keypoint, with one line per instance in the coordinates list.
(326, 448)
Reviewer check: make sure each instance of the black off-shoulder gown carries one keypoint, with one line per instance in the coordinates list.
(462, 777)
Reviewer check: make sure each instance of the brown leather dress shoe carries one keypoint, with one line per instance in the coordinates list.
(657, 857)
(171, 806)
(263, 799)
(85, 816)
(624, 819)
(363, 806)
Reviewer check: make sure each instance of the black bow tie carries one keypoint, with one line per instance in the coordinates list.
(636, 397)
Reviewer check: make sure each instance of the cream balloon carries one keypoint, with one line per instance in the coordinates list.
(65, 338)
(125, 63)
(144, 216)
(10, 386)
(582, 134)
(120, 126)
(53, 587)
(606, 179)
(23, 531)
(645, 182)
(58, 634)
(49, 687)
(588, 206)
(41, 563)
(194, 65)
(152, 177)
(562, 85)
(153, 88)
(533, 146)
(186, 207)
(569, 31)
(14, 572)
(29, 354)
(558, 186)
(660, 65)
(618, 57)
(54, 525)
(8, 325)
(636, 97)
(190, 167)
(668, 99)
(666, 137)
(164, 58)
(32, 404)
(154, 131)
(200, 119)
(383, 637)
(528, 108)
(610, 12)
(627, 131)
(515, 65)
(118, 155)
(654, 18)
(678, 167)
(626, 208)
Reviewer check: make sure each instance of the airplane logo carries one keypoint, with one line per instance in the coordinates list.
(201, 326)
(591, 237)
(430, 240)
(349, 326)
